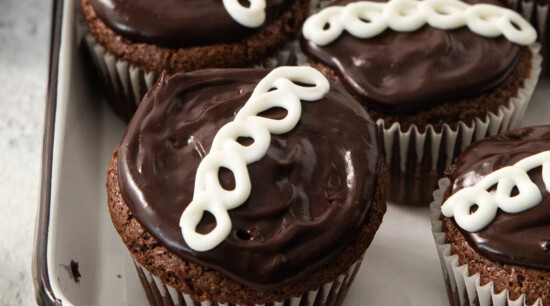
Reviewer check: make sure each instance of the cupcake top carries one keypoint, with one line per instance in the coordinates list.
(507, 221)
(310, 193)
(176, 23)
(418, 62)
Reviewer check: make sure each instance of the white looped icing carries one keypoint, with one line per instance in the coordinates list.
(252, 16)
(226, 152)
(505, 179)
(366, 19)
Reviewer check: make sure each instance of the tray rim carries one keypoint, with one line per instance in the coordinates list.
(43, 290)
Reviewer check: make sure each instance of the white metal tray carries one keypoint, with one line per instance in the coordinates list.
(400, 268)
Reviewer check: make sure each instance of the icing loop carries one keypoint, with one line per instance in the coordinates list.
(226, 152)
(505, 179)
(252, 16)
(367, 19)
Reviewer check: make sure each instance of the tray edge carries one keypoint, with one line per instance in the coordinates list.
(41, 280)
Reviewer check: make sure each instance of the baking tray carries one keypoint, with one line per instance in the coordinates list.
(401, 267)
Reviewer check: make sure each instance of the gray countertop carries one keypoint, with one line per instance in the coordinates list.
(24, 48)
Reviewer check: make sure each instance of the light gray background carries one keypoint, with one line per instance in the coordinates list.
(24, 48)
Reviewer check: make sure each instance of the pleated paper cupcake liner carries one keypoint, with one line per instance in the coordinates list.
(329, 294)
(125, 84)
(463, 288)
(417, 159)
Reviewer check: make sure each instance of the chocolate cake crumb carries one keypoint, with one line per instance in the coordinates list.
(74, 271)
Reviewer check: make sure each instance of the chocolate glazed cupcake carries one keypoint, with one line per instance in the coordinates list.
(505, 258)
(132, 42)
(431, 91)
(317, 196)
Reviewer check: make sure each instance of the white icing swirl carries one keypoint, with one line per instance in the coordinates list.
(505, 179)
(252, 16)
(366, 19)
(226, 152)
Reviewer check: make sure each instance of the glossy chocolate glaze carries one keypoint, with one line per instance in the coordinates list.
(310, 193)
(178, 23)
(398, 72)
(522, 238)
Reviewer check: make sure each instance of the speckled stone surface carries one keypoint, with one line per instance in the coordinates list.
(24, 47)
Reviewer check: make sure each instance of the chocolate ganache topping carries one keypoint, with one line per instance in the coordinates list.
(404, 72)
(518, 238)
(178, 23)
(310, 195)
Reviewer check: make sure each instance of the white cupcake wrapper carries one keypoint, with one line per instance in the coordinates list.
(397, 143)
(542, 16)
(289, 55)
(127, 84)
(463, 288)
(329, 294)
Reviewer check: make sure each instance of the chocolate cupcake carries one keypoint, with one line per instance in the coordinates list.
(494, 234)
(290, 228)
(427, 76)
(132, 42)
